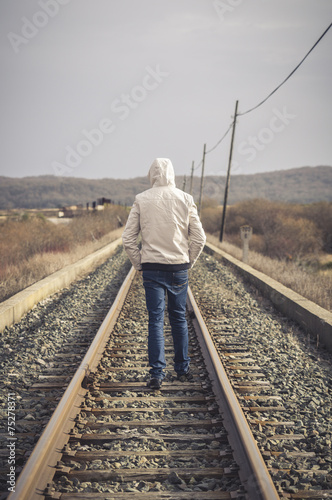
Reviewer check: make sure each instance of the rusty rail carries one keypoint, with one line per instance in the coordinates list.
(39, 469)
(253, 472)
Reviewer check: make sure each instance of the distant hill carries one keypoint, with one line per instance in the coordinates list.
(298, 185)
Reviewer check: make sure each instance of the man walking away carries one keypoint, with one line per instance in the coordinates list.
(172, 239)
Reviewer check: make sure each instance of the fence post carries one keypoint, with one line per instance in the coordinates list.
(246, 234)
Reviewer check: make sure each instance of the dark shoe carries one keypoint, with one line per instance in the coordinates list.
(185, 377)
(154, 383)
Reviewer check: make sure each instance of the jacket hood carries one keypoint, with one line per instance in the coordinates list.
(161, 173)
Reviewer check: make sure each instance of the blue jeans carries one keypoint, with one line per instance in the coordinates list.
(175, 284)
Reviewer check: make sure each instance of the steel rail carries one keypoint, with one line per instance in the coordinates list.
(40, 467)
(253, 471)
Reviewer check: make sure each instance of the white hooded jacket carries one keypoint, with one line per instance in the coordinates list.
(168, 221)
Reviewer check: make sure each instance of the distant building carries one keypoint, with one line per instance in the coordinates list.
(76, 210)
(71, 211)
(103, 202)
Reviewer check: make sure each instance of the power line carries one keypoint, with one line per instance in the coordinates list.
(200, 163)
(287, 78)
(220, 140)
(217, 144)
(232, 125)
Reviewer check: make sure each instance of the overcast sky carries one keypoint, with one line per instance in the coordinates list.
(99, 88)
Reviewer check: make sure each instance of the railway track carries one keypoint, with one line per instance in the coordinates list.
(112, 438)
(40, 355)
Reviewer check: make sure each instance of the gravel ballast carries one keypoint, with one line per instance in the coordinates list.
(298, 371)
(35, 346)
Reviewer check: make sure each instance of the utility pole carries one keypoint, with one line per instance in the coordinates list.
(202, 181)
(192, 178)
(228, 175)
(184, 183)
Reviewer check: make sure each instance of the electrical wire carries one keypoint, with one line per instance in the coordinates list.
(266, 98)
(220, 140)
(288, 77)
(217, 144)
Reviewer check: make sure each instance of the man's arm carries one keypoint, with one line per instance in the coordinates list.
(130, 235)
(197, 236)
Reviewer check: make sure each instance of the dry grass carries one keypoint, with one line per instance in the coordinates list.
(280, 230)
(308, 282)
(31, 250)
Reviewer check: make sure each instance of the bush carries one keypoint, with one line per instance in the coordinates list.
(291, 238)
(211, 219)
(32, 247)
(280, 230)
(23, 238)
(321, 215)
